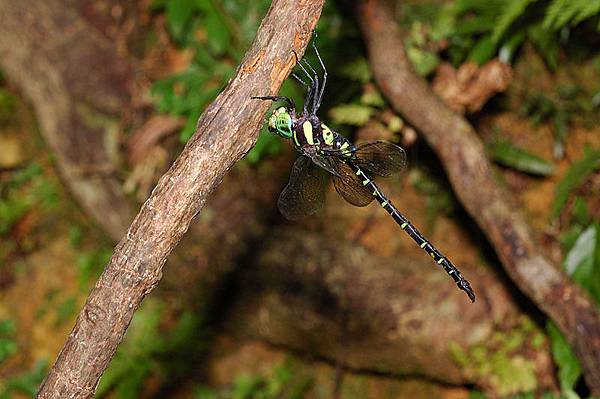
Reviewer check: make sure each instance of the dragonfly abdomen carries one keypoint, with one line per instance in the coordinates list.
(412, 231)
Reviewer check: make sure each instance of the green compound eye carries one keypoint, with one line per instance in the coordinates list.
(280, 123)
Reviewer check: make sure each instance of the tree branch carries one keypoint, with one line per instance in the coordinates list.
(225, 132)
(77, 84)
(461, 151)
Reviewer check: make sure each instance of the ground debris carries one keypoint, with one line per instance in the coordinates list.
(467, 89)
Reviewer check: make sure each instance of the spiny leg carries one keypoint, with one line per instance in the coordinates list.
(317, 91)
(320, 94)
(461, 282)
(276, 98)
(309, 92)
(313, 89)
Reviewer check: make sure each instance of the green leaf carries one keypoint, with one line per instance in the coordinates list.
(133, 361)
(582, 262)
(202, 392)
(267, 144)
(569, 370)
(546, 43)
(424, 61)
(179, 13)
(483, 51)
(581, 215)
(216, 29)
(510, 13)
(7, 327)
(26, 383)
(351, 114)
(7, 348)
(357, 70)
(574, 177)
(517, 158)
(562, 12)
(65, 310)
(11, 211)
(510, 46)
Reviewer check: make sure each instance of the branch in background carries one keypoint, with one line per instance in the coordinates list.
(462, 153)
(226, 131)
(77, 83)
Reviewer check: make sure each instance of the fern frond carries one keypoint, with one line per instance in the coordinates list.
(510, 14)
(591, 8)
(560, 13)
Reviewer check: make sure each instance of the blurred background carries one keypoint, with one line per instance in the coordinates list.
(97, 98)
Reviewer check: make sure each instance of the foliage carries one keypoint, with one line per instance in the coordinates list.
(498, 360)
(569, 370)
(218, 33)
(582, 263)
(25, 190)
(577, 173)
(26, 383)
(561, 13)
(517, 158)
(351, 114)
(147, 350)
(478, 30)
(562, 108)
(90, 264)
(438, 196)
(282, 381)
(229, 26)
(362, 107)
(7, 345)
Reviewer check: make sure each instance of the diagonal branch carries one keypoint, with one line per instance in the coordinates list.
(461, 151)
(77, 84)
(225, 132)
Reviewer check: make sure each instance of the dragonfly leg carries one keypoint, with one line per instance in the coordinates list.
(276, 98)
(314, 82)
(309, 92)
(320, 94)
(316, 88)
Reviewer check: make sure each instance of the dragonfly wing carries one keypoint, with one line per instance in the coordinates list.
(327, 163)
(305, 192)
(380, 158)
(350, 186)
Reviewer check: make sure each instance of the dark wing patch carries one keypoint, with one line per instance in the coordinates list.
(380, 158)
(350, 186)
(305, 192)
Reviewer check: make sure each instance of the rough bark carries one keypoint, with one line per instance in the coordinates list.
(337, 301)
(225, 132)
(77, 83)
(470, 173)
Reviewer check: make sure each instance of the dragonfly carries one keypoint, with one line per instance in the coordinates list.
(327, 155)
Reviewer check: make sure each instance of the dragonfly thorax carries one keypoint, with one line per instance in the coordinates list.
(311, 135)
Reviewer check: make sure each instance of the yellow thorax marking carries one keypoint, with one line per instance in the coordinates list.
(308, 132)
(327, 134)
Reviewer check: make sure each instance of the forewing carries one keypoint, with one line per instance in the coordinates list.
(305, 192)
(350, 186)
(380, 158)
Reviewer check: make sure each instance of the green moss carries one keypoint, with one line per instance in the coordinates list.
(498, 363)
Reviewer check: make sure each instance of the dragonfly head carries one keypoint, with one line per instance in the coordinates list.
(280, 122)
